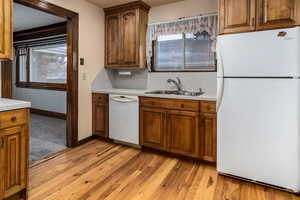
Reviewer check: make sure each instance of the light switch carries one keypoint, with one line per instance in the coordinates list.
(81, 61)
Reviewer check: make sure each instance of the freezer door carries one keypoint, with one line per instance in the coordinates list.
(258, 130)
(272, 53)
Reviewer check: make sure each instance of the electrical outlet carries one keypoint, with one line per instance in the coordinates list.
(84, 76)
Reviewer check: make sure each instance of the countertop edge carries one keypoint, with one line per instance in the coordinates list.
(10, 104)
(141, 93)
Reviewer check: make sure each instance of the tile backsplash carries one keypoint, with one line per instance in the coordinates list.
(142, 79)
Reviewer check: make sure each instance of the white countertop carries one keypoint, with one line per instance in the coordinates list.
(132, 92)
(10, 104)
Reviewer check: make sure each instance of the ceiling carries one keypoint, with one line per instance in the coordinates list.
(27, 18)
(109, 3)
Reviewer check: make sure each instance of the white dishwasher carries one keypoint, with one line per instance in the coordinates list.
(124, 118)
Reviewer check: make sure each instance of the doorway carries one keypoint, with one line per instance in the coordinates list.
(70, 23)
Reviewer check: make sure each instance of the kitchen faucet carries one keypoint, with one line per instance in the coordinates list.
(177, 83)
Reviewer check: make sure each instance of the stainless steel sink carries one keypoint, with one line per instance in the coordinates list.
(176, 92)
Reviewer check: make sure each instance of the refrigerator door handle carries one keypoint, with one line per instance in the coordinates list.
(220, 68)
(220, 92)
(220, 75)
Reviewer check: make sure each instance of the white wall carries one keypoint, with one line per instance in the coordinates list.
(91, 47)
(185, 8)
(49, 100)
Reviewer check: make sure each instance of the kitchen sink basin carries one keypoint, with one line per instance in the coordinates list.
(176, 92)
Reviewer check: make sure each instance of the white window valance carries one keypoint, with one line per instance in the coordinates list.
(193, 25)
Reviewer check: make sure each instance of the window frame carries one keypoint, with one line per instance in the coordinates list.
(35, 85)
(154, 43)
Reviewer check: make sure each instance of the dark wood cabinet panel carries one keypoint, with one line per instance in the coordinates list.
(255, 15)
(112, 40)
(237, 16)
(14, 154)
(184, 127)
(129, 37)
(208, 132)
(100, 120)
(6, 29)
(153, 128)
(182, 133)
(273, 14)
(100, 114)
(126, 27)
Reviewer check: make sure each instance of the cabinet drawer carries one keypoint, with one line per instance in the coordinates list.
(207, 107)
(153, 102)
(13, 118)
(100, 98)
(187, 105)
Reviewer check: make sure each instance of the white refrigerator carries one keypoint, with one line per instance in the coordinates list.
(259, 107)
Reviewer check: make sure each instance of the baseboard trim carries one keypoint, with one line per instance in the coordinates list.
(49, 113)
(86, 140)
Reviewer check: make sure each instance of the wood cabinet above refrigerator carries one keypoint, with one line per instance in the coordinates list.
(237, 16)
(6, 29)
(125, 35)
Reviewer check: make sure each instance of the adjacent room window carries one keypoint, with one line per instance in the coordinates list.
(184, 52)
(42, 66)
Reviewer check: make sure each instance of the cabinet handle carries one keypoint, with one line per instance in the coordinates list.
(1, 141)
(13, 119)
(253, 21)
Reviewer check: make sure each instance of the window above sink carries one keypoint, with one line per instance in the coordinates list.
(183, 45)
(184, 52)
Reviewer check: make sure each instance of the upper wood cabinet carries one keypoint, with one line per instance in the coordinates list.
(112, 39)
(6, 29)
(250, 15)
(237, 16)
(277, 13)
(125, 40)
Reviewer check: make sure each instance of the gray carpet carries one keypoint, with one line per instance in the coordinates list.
(47, 136)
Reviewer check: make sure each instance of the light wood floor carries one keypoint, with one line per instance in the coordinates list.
(99, 170)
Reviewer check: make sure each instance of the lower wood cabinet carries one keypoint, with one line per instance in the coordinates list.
(179, 126)
(153, 128)
(183, 133)
(14, 139)
(208, 132)
(100, 115)
(184, 127)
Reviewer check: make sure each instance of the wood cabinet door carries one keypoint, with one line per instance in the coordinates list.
(277, 14)
(183, 133)
(208, 132)
(100, 120)
(237, 16)
(153, 128)
(112, 50)
(6, 29)
(14, 159)
(130, 38)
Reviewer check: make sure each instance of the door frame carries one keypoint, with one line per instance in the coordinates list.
(72, 65)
